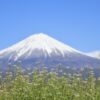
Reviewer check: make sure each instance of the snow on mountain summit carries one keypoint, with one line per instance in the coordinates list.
(43, 50)
(40, 42)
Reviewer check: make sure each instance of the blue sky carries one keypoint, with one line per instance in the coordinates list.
(74, 22)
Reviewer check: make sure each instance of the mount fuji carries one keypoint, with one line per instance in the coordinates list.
(42, 50)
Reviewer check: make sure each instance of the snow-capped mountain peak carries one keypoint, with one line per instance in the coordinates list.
(43, 50)
(41, 42)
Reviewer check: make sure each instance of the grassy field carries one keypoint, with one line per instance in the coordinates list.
(44, 85)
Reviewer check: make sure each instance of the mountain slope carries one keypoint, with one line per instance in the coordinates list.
(95, 54)
(43, 50)
(38, 42)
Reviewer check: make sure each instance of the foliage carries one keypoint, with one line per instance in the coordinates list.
(44, 85)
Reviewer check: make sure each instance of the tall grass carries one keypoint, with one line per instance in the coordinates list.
(44, 85)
